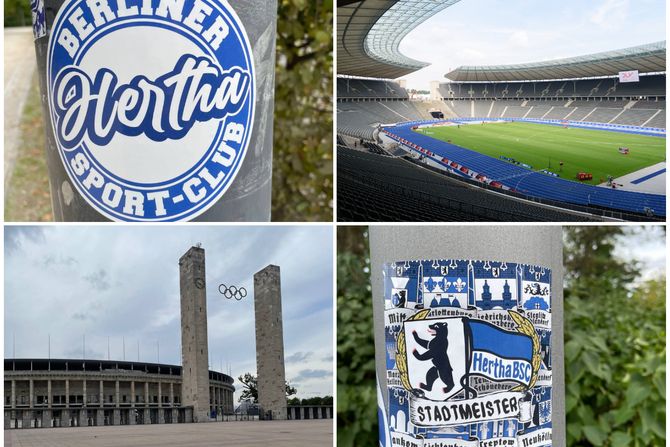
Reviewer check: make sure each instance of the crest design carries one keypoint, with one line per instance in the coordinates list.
(472, 373)
(151, 105)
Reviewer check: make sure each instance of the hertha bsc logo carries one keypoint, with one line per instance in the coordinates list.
(151, 103)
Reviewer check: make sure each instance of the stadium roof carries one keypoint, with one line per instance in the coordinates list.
(647, 58)
(369, 33)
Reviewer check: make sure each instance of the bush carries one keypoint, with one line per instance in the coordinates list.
(615, 367)
(356, 382)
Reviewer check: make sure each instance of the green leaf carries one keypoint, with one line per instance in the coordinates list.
(594, 434)
(572, 349)
(636, 393)
(620, 439)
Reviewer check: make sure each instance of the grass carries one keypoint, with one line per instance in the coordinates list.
(28, 197)
(544, 147)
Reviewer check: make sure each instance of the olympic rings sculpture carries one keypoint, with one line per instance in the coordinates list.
(232, 292)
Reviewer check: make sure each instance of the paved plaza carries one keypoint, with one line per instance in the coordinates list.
(250, 434)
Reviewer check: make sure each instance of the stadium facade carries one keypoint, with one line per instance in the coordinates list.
(72, 393)
(583, 91)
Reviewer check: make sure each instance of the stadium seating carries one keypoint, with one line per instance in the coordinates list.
(595, 100)
(652, 85)
(369, 88)
(537, 184)
(374, 188)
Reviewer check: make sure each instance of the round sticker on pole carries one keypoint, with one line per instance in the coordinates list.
(151, 102)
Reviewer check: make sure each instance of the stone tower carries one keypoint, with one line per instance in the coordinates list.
(270, 342)
(195, 368)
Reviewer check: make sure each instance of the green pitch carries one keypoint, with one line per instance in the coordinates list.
(544, 147)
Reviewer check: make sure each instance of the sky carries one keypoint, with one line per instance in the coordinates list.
(491, 32)
(122, 281)
(646, 247)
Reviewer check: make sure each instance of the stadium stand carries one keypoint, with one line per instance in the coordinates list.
(374, 188)
(649, 86)
(369, 88)
(536, 184)
(377, 182)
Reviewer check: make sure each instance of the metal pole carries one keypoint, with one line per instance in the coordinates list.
(212, 165)
(536, 245)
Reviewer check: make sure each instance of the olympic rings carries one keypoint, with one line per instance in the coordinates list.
(232, 292)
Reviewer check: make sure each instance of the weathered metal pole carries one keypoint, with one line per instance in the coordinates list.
(157, 110)
(396, 297)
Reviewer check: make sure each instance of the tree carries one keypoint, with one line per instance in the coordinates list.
(614, 344)
(590, 263)
(250, 392)
(302, 183)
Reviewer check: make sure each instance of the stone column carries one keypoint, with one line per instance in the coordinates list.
(67, 393)
(171, 394)
(13, 394)
(175, 415)
(100, 416)
(83, 420)
(102, 395)
(116, 395)
(49, 402)
(193, 301)
(31, 393)
(116, 417)
(132, 394)
(270, 342)
(147, 416)
(131, 416)
(83, 386)
(160, 395)
(146, 394)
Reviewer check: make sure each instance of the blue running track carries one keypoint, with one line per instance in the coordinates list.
(532, 183)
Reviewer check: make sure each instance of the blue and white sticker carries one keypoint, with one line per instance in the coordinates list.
(39, 18)
(468, 354)
(151, 102)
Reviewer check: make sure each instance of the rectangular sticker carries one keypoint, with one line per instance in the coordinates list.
(468, 354)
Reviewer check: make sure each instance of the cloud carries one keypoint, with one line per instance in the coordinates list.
(470, 33)
(123, 283)
(98, 280)
(298, 357)
(519, 38)
(610, 14)
(306, 374)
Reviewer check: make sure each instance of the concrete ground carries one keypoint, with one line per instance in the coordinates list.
(20, 64)
(249, 434)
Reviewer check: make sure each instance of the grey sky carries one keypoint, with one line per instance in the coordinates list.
(647, 247)
(121, 281)
(490, 32)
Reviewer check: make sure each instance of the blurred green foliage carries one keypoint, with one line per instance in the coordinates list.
(17, 13)
(303, 132)
(356, 382)
(614, 343)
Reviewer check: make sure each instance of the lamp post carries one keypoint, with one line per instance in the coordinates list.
(134, 129)
(524, 246)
